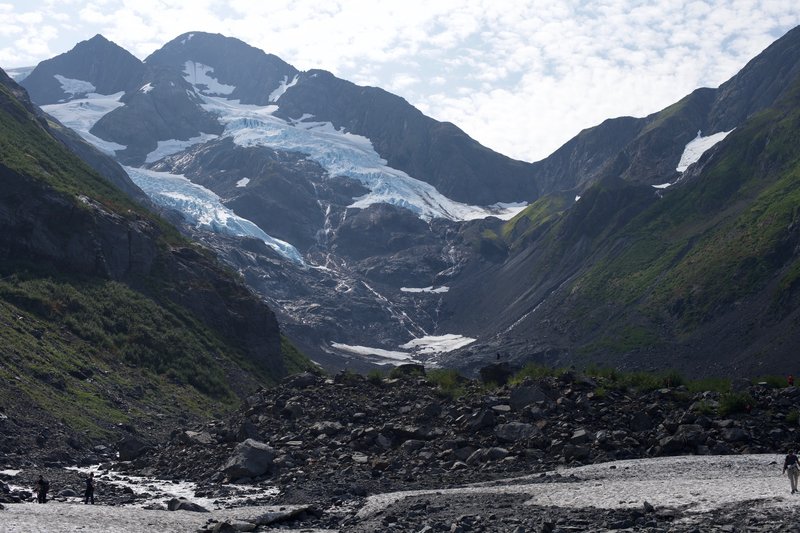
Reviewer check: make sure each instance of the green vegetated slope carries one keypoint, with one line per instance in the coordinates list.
(107, 316)
(706, 271)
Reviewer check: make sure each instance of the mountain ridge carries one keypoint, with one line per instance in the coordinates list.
(711, 257)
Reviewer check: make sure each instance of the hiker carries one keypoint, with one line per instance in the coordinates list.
(42, 486)
(790, 464)
(89, 494)
(790, 380)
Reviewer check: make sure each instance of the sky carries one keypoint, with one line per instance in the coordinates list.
(521, 77)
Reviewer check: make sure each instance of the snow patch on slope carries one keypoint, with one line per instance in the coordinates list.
(199, 75)
(431, 289)
(72, 86)
(417, 350)
(697, 147)
(82, 114)
(173, 146)
(282, 88)
(203, 208)
(376, 354)
(435, 344)
(243, 182)
(344, 154)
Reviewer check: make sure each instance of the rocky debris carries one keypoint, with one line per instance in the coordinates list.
(331, 440)
(507, 513)
(182, 504)
(283, 515)
(65, 485)
(13, 496)
(328, 443)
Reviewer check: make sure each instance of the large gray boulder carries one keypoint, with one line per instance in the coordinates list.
(130, 448)
(250, 459)
(515, 432)
(182, 504)
(526, 395)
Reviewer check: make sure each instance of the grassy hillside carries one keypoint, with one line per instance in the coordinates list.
(707, 270)
(83, 354)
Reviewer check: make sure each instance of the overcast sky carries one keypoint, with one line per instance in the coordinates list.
(521, 77)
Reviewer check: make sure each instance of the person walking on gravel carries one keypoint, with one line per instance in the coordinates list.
(791, 466)
(89, 494)
(42, 486)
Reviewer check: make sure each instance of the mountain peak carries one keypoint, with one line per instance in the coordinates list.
(100, 38)
(95, 65)
(252, 73)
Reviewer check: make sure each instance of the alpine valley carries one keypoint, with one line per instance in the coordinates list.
(379, 235)
(181, 235)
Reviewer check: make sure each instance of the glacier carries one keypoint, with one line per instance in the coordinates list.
(203, 208)
(83, 113)
(339, 152)
(342, 153)
(199, 205)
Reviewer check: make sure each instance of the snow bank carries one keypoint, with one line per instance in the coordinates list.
(431, 289)
(173, 146)
(72, 86)
(199, 75)
(432, 344)
(282, 88)
(377, 354)
(697, 147)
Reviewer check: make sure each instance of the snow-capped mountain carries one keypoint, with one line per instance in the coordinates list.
(216, 130)
(377, 233)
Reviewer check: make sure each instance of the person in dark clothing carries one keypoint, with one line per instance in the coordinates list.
(791, 466)
(42, 486)
(89, 494)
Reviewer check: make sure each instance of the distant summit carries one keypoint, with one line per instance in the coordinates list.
(94, 66)
(252, 74)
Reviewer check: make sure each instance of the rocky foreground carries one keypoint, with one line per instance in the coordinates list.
(324, 449)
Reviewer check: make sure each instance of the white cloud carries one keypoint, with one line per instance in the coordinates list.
(522, 77)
